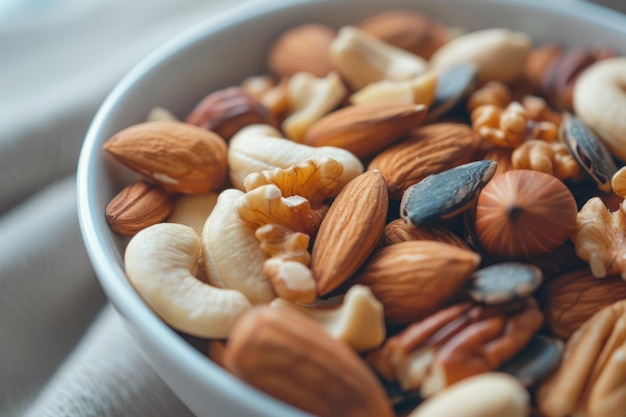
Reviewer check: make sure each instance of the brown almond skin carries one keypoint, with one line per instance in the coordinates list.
(180, 157)
(227, 111)
(365, 129)
(415, 279)
(398, 231)
(408, 30)
(428, 150)
(138, 206)
(350, 231)
(291, 357)
(571, 299)
(303, 48)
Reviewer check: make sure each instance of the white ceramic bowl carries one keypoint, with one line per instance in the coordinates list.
(219, 53)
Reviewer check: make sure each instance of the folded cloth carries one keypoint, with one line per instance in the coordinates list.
(107, 376)
(64, 56)
(48, 291)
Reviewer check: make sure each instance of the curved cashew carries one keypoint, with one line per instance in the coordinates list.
(419, 90)
(309, 99)
(359, 321)
(159, 262)
(362, 59)
(193, 210)
(231, 253)
(264, 89)
(600, 102)
(161, 113)
(258, 148)
(499, 54)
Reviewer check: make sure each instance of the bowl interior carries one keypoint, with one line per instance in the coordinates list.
(219, 53)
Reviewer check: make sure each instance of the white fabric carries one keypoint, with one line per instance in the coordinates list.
(58, 60)
(63, 351)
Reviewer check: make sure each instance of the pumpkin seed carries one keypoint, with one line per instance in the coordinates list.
(505, 282)
(453, 84)
(592, 156)
(445, 193)
(536, 361)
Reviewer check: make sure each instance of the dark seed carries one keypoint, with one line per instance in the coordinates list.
(447, 192)
(401, 400)
(536, 361)
(504, 282)
(453, 84)
(592, 156)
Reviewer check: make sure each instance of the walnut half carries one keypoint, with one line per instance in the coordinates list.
(600, 238)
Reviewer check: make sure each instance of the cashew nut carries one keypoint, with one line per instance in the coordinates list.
(600, 102)
(362, 59)
(489, 394)
(359, 321)
(272, 96)
(160, 113)
(499, 54)
(420, 90)
(309, 99)
(193, 210)
(258, 148)
(160, 262)
(231, 253)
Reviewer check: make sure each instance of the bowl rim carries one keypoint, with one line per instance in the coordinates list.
(128, 303)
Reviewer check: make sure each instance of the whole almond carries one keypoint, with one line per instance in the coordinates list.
(398, 231)
(289, 356)
(227, 111)
(138, 206)
(570, 299)
(428, 150)
(303, 48)
(180, 157)
(416, 278)
(350, 231)
(365, 129)
(408, 30)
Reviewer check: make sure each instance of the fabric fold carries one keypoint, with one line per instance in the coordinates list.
(48, 291)
(107, 375)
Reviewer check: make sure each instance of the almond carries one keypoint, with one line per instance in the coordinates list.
(416, 278)
(365, 129)
(571, 299)
(303, 48)
(411, 31)
(350, 231)
(398, 231)
(227, 111)
(180, 157)
(428, 150)
(138, 206)
(291, 357)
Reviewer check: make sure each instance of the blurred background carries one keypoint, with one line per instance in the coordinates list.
(63, 352)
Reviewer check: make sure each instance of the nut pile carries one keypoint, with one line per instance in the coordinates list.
(397, 219)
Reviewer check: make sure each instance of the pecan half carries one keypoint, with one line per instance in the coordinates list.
(592, 376)
(455, 343)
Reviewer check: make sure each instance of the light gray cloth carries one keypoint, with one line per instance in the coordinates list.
(58, 60)
(63, 351)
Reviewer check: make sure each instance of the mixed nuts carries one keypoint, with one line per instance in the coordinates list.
(399, 220)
